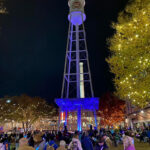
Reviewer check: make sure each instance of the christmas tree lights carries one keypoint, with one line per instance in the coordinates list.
(130, 53)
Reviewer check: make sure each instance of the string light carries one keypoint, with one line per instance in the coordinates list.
(132, 68)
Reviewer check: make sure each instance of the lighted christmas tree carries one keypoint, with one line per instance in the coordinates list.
(130, 53)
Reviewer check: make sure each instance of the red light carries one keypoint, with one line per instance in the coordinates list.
(62, 116)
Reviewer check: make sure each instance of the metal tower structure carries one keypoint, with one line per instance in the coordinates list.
(77, 77)
(77, 90)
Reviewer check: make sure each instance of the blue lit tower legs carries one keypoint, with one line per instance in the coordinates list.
(77, 90)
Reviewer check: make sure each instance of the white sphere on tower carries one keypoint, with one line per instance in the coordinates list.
(76, 15)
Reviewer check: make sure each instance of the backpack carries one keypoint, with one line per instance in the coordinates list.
(74, 145)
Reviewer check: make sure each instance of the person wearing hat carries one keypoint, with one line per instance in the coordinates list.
(62, 145)
(23, 145)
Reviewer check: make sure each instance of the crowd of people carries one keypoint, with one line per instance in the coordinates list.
(89, 140)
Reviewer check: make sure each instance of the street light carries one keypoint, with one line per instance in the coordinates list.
(8, 101)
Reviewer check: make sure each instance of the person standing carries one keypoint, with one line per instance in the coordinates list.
(108, 142)
(23, 145)
(39, 142)
(75, 144)
(128, 142)
(100, 144)
(86, 142)
(62, 145)
(2, 146)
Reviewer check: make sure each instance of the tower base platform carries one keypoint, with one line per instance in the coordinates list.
(73, 104)
(78, 106)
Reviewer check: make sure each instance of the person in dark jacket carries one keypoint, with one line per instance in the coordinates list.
(31, 141)
(100, 144)
(86, 142)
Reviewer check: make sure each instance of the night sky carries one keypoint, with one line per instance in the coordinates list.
(33, 39)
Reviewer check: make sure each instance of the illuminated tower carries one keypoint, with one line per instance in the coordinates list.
(77, 91)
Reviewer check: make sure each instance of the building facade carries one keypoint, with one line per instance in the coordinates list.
(137, 117)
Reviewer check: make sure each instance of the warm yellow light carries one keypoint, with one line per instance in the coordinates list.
(131, 39)
(130, 60)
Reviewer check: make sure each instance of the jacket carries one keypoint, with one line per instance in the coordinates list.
(87, 143)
